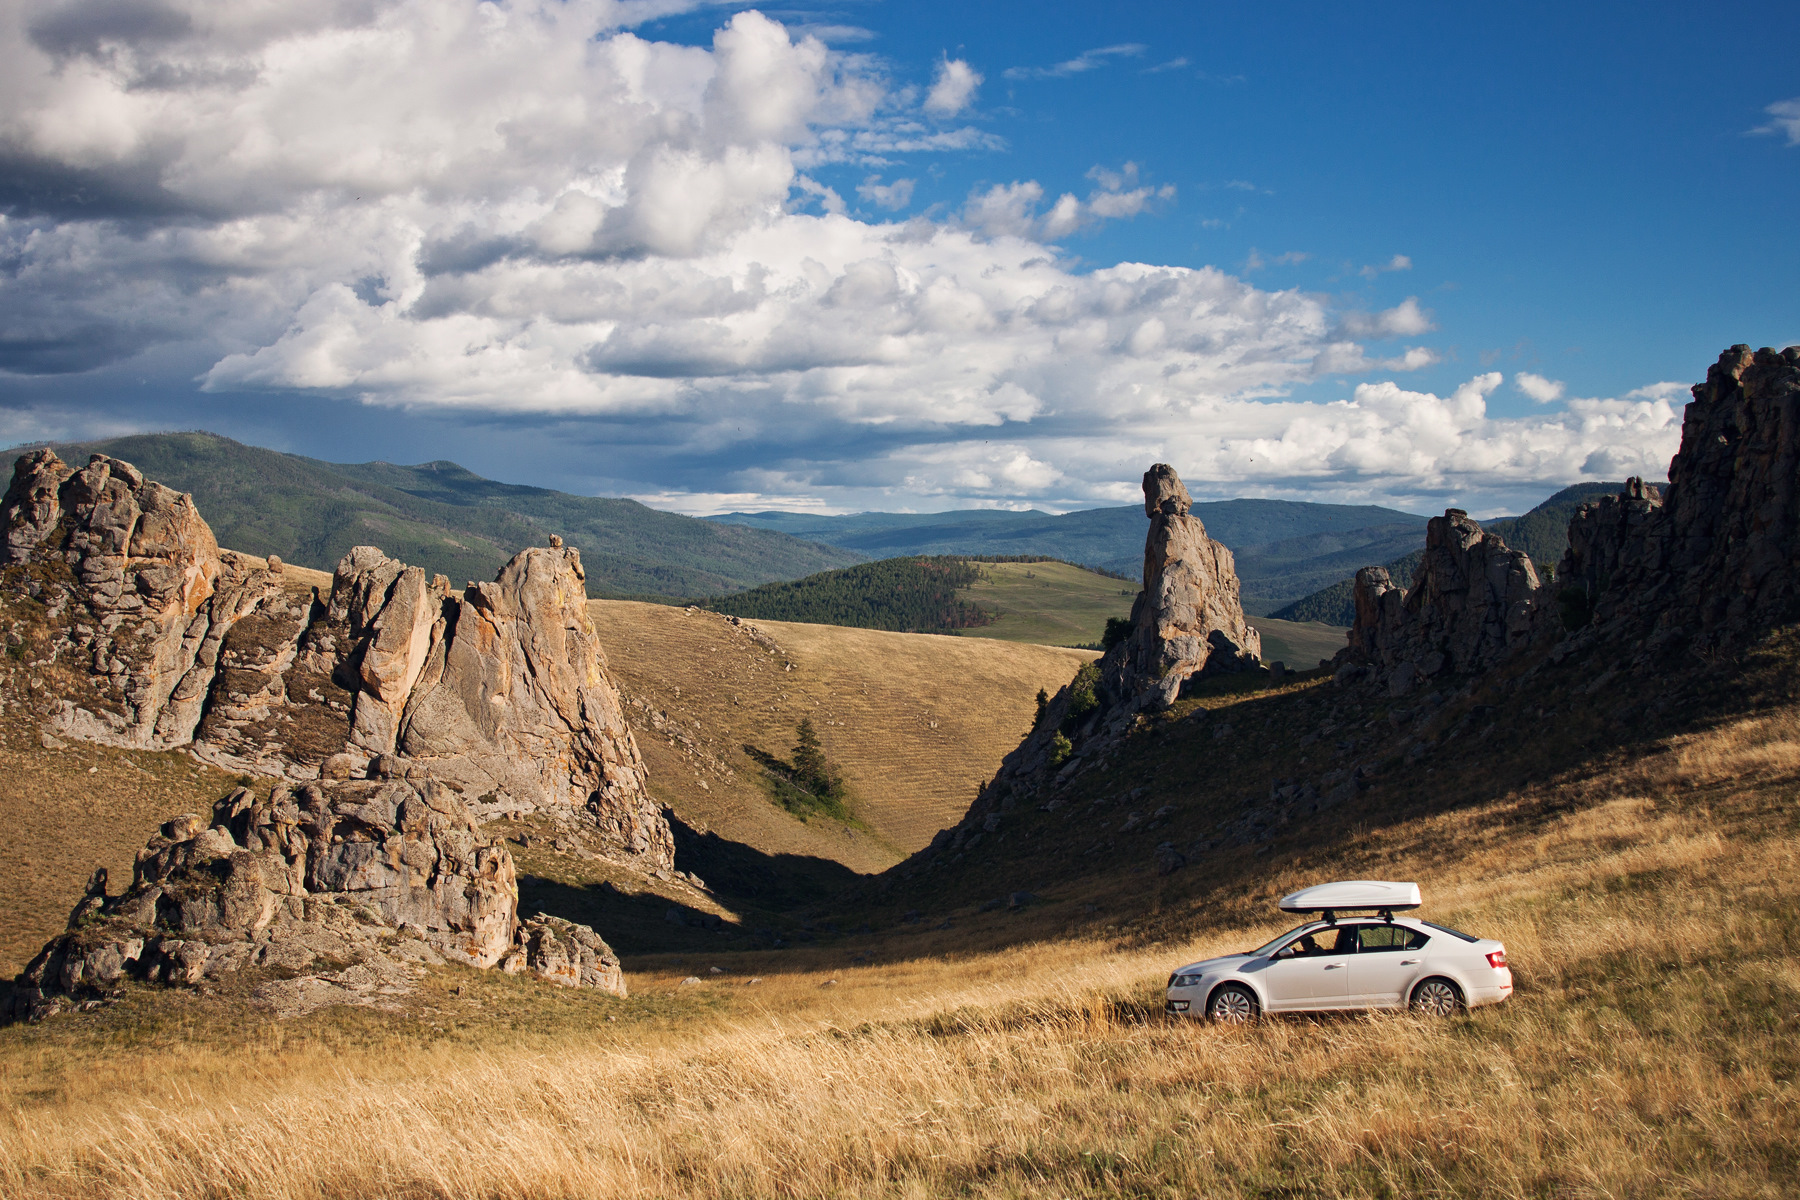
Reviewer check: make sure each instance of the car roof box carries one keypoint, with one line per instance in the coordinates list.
(1353, 895)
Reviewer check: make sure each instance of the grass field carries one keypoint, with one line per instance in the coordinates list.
(1299, 645)
(1650, 906)
(916, 721)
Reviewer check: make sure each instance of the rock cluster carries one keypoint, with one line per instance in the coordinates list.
(1187, 622)
(1471, 606)
(1710, 560)
(333, 892)
(499, 693)
(1715, 557)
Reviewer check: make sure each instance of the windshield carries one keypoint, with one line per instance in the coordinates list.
(1269, 947)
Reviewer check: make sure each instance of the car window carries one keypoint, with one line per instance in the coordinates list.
(1333, 939)
(1467, 937)
(1274, 944)
(1374, 939)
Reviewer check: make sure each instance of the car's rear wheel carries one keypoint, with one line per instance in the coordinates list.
(1437, 997)
(1233, 1005)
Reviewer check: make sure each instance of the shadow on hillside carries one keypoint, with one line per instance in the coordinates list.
(766, 891)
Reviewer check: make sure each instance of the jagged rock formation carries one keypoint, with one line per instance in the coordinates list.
(1188, 620)
(1187, 624)
(382, 875)
(1471, 607)
(499, 693)
(1716, 556)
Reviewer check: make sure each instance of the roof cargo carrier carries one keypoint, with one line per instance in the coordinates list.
(1357, 895)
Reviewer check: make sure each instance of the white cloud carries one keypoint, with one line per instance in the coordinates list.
(1542, 390)
(1087, 60)
(1011, 209)
(954, 88)
(1785, 120)
(895, 195)
(1399, 262)
(1174, 64)
(520, 210)
(1405, 319)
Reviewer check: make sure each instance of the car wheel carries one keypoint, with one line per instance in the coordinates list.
(1437, 998)
(1233, 1005)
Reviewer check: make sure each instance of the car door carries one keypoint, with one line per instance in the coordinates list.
(1311, 971)
(1388, 961)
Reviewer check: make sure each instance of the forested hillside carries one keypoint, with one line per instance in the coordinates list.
(448, 520)
(905, 595)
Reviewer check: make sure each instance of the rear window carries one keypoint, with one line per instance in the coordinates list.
(1452, 932)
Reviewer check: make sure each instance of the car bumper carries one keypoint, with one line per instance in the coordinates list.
(1183, 1004)
(1493, 992)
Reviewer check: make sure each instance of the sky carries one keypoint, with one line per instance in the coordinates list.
(916, 256)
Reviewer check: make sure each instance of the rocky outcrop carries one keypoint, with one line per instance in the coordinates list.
(1472, 605)
(329, 892)
(1187, 625)
(130, 566)
(1188, 621)
(1714, 558)
(499, 693)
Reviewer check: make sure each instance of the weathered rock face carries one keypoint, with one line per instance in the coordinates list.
(500, 694)
(1188, 620)
(384, 875)
(1715, 557)
(131, 563)
(1472, 605)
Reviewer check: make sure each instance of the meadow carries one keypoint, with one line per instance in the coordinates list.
(1649, 904)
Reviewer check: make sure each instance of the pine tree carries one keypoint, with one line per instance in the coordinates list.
(812, 770)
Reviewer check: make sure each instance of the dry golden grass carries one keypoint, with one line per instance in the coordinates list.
(1651, 1049)
(917, 722)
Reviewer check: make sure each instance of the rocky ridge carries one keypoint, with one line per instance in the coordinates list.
(1698, 567)
(319, 893)
(499, 693)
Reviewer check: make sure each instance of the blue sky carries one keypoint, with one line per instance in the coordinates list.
(821, 256)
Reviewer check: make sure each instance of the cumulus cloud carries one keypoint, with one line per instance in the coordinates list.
(1405, 319)
(954, 88)
(1012, 209)
(1784, 119)
(525, 211)
(1544, 391)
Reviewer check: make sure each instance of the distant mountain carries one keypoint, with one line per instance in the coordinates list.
(1542, 533)
(444, 518)
(1284, 548)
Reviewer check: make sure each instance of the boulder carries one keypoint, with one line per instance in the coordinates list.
(383, 875)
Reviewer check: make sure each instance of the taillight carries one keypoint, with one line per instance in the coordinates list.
(1497, 958)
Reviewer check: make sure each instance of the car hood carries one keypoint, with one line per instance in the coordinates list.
(1198, 968)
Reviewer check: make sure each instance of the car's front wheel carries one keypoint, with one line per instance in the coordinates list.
(1437, 998)
(1233, 1005)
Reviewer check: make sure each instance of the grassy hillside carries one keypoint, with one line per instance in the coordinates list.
(1641, 880)
(916, 722)
(1051, 603)
(1542, 533)
(443, 518)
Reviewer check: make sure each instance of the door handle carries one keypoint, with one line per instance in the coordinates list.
(1409, 962)
(1333, 966)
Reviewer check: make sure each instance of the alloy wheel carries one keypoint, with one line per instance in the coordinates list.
(1232, 1006)
(1437, 998)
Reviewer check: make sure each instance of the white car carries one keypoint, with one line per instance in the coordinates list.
(1376, 960)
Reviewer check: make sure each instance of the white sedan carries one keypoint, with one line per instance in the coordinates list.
(1380, 961)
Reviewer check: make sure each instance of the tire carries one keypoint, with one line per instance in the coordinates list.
(1437, 997)
(1233, 1005)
